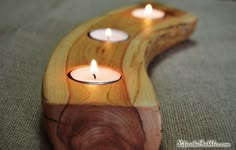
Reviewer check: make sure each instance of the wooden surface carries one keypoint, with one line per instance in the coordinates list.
(121, 115)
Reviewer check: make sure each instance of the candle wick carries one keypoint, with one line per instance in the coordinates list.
(94, 76)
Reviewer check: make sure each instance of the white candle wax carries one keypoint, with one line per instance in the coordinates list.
(102, 75)
(148, 13)
(109, 35)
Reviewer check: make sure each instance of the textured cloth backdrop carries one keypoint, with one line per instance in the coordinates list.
(195, 81)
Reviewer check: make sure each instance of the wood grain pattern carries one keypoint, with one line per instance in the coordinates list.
(122, 115)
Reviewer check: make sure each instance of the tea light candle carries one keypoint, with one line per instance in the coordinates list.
(94, 75)
(148, 13)
(109, 35)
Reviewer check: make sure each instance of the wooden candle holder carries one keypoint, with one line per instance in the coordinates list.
(122, 115)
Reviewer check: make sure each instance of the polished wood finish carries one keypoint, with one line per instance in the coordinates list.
(122, 115)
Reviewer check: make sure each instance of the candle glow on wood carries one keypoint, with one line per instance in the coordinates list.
(94, 74)
(148, 13)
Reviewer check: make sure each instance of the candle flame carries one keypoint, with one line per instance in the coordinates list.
(148, 9)
(108, 33)
(93, 66)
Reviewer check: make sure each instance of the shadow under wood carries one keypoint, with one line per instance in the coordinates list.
(44, 140)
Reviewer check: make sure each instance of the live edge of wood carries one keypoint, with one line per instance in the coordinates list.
(124, 115)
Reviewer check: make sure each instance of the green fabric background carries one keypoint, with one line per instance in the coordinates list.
(195, 81)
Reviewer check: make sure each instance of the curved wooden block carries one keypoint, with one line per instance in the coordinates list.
(122, 115)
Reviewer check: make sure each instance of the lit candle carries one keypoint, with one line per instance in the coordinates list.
(109, 35)
(148, 12)
(94, 74)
